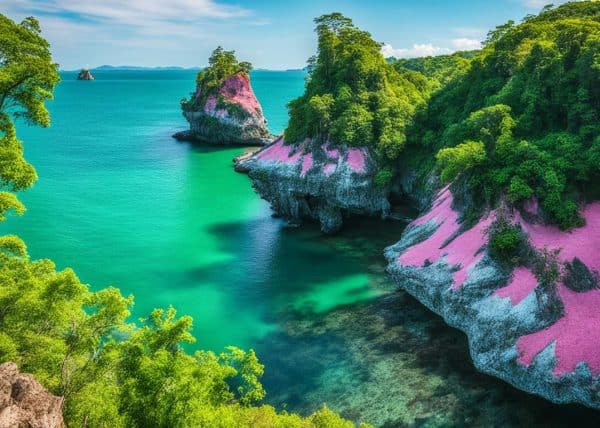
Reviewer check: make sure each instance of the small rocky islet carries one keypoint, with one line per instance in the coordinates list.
(85, 74)
(224, 110)
(520, 276)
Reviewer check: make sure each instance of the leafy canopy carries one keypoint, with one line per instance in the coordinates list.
(27, 79)
(532, 97)
(352, 95)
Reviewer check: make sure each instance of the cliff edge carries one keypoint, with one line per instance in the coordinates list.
(317, 181)
(533, 323)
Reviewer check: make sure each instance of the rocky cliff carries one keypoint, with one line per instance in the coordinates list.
(536, 324)
(317, 181)
(25, 403)
(230, 115)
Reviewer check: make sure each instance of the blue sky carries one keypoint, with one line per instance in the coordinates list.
(272, 34)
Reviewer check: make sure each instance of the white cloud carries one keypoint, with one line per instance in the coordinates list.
(417, 50)
(466, 44)
(144, 32)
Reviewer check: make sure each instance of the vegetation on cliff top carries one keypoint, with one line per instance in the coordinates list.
(353, 96)
(517, 119)
(222, 64)
(78, 343)
(523, 121)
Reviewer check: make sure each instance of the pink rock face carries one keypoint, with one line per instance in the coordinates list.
(221, 113)
(238, 90)
(211, 104)
(522, 283)
(331, 153)
(307, 163)
(583, 242)
(577, 334)
(356, 160)
(462, 252)
(328, 169)
(280, 152)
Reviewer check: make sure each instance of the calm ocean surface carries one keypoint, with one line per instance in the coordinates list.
(124, 204)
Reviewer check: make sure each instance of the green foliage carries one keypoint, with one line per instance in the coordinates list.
(27, 79)
(77, 343)
(352, 95)
(442, 68)
(221, 65)
(384, 176)
(532, 96)
(506, 242)
(454, 160)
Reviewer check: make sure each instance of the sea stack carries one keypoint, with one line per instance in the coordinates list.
(85, 75)
(224, 110)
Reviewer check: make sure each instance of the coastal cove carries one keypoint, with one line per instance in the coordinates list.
(173, 224)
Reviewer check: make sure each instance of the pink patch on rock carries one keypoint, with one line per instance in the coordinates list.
(577, 334)
(522, 283)
(331, 153)
(583, 242)
(307, 163)
(356, 160)
(237, 89)
(328, 169)
(221, 113)
(280, 152)
(462, 251)
(211, 104)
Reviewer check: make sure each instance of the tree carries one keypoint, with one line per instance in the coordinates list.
(352, 95)
(454, 160)
(27, 79)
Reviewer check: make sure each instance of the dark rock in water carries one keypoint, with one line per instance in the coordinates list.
(26, 403)
(232, 115)
(317, 181)
(85, 75)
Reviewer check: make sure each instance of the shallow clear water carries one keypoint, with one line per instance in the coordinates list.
(124, 204)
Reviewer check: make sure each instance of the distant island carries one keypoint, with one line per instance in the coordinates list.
(85, 75)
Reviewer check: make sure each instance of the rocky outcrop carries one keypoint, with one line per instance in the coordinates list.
(85, 75)
(317, 181)
(231, 115)
(25, 403)
(542, 337)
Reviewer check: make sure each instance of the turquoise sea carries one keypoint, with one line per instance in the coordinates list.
(124, 204)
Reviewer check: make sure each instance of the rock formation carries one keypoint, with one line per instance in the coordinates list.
(231, 115)
(318, 181)
(25, 403)
(541, 335)
(85, 75)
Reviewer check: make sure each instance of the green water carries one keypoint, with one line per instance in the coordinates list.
(124, 204)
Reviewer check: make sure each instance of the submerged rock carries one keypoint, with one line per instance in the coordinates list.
(231, 115)
(26, 403)
(541, 336)
(317, 181)
(85, 75)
